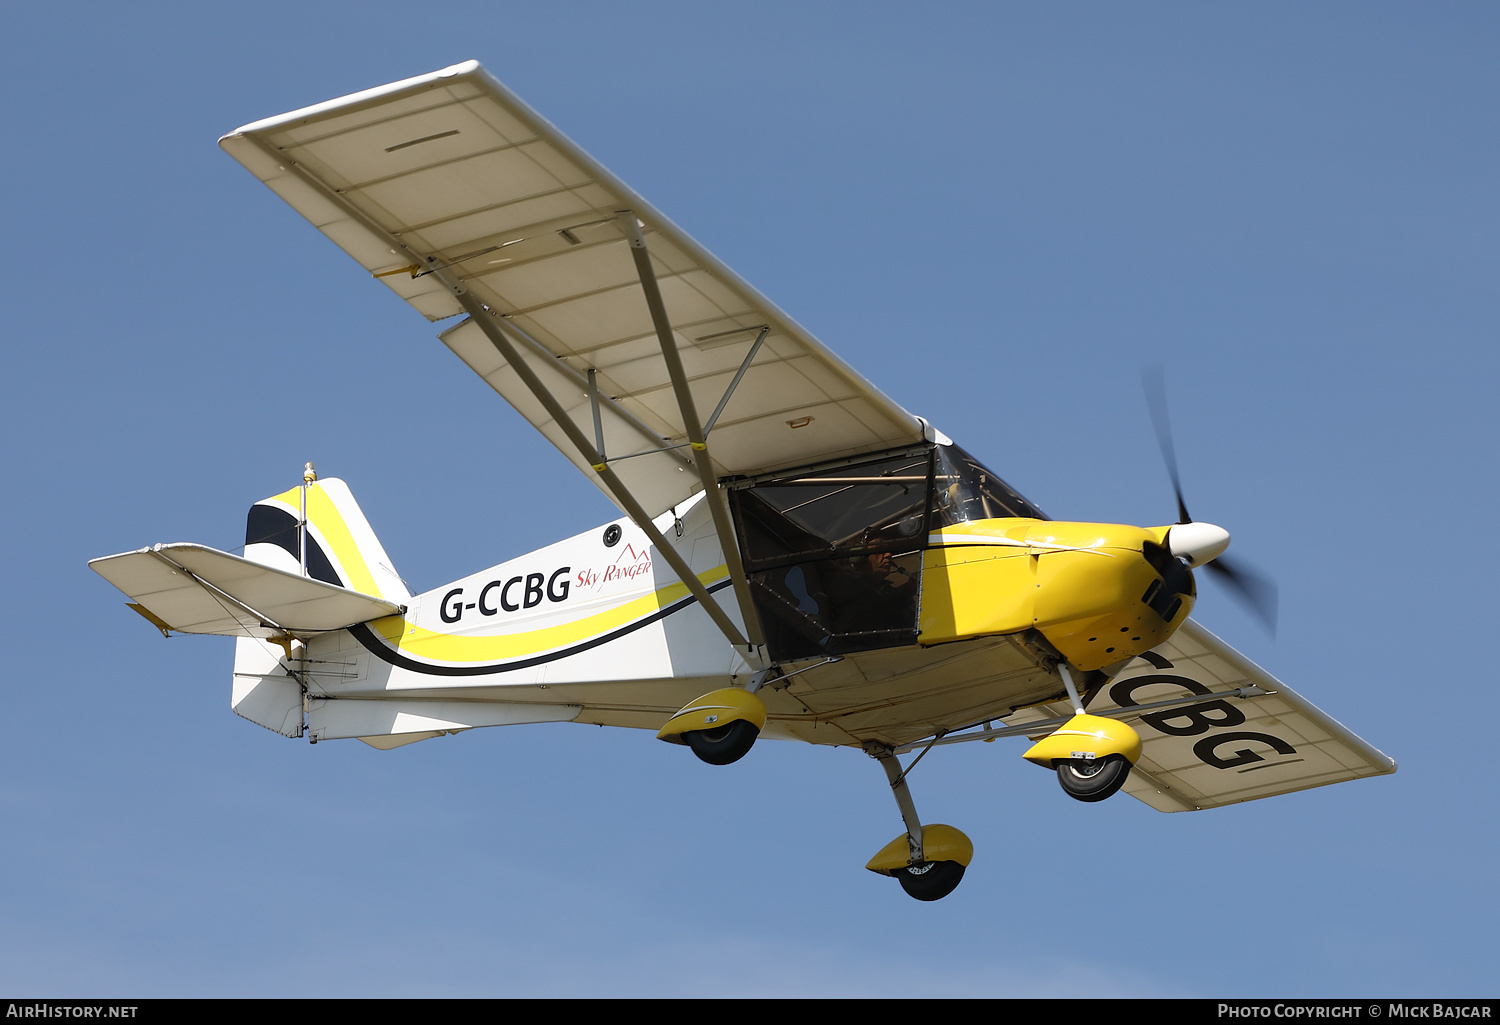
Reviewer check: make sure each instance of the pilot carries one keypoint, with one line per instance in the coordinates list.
(875, 594)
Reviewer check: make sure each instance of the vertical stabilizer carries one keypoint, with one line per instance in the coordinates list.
(340, 548)
(337, 547)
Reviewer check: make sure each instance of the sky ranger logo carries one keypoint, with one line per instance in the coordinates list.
(529, 590)
(629, 565)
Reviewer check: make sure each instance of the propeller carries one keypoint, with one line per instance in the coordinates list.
(1203, 543)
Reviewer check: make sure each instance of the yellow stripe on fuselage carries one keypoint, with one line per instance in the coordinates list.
(432, 646)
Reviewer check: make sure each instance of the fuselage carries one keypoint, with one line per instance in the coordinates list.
(910, 609)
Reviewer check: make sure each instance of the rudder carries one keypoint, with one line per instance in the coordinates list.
(341, 547)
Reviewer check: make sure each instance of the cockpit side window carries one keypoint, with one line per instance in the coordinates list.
(880, 506)
(834, 557)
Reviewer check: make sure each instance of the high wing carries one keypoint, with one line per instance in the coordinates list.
(1223, 749)
(200, 590)
(463, 200)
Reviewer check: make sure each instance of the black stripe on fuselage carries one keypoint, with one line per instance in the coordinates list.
(380, 650)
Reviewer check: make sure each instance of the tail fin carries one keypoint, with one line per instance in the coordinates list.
(341, 548)
(338, 548)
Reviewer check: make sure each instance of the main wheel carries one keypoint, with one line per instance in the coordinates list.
(1094, 779)
(930, 880)
(725, 744)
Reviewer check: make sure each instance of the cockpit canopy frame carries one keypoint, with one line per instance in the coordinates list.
(834, 552)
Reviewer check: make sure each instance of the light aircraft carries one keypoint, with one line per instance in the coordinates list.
(806, 561)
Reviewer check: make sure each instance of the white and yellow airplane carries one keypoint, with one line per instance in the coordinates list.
(808, 561)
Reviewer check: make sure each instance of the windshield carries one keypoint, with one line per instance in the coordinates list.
(965, 489)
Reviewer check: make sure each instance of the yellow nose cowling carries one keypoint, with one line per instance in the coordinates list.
(1095, 591)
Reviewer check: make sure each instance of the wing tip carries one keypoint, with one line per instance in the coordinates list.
(459, 70)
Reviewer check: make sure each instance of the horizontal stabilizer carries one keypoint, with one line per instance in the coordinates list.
(199, 590)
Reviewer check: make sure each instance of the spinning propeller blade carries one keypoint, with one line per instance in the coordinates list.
(1250, 587)
(1154, 382)
(1255, 591)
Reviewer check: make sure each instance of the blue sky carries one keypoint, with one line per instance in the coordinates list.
(998, 213)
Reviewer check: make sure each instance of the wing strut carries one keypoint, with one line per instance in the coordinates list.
(693, 427)
(764, 329)
(1038, 727)
(597, 400)
(484, 318)
(490, 325)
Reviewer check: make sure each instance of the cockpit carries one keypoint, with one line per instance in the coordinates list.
(834, 554)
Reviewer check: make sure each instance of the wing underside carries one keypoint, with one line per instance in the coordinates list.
(449, 180)
(1222, 750)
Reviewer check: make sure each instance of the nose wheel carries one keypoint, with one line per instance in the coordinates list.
(1092, 779)
(1092, 755)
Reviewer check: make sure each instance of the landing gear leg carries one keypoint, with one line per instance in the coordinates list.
(928, 861)
(1092, 755)
(892, 766)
